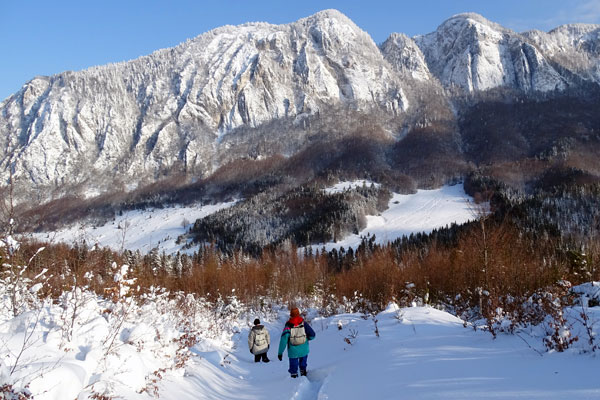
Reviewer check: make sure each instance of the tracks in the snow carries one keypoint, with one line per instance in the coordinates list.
(310, 386)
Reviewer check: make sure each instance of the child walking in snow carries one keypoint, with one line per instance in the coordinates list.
(259, 341)
(295, 336)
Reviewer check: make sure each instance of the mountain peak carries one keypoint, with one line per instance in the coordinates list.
(330, 13)
(474, 18)
(576, 28)
(403, 53)
(398, 37)
(333, 21)
(470, 16)
(471, 52)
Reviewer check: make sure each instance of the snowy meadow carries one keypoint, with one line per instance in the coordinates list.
(161, 345)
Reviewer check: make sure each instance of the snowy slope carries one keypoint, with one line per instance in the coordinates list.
(159, 228)
(348, 185)
(417, 353)
(413, 213)
(137, 230)
(421, 353)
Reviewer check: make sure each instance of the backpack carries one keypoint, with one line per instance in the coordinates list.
(297, 335)
(260, 338)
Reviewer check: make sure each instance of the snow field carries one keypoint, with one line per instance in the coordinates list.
(418, 353)
(159, 228)
(141, 230)
(132, 349)
(348, 185)
(83, 344)
(423, 211)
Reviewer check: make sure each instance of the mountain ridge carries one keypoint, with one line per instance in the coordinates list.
(191, 108)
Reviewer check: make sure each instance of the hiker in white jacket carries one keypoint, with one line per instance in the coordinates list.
(259, 341)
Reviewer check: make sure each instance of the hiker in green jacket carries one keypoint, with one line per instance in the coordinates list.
(295, 336)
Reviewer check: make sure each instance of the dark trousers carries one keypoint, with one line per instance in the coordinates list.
(295, 362)
(263, 357)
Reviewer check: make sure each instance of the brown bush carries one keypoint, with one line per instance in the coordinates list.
(489, 266)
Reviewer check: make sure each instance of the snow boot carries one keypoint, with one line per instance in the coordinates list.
(294, 375)
(302, 372)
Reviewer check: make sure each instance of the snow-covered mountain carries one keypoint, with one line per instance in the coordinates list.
(136, 119)
(180, 110)
(476, 54)
(575, 47)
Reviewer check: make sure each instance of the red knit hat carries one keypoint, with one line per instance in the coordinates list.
(294, 312)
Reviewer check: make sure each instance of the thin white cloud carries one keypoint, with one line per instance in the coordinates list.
(586, 11)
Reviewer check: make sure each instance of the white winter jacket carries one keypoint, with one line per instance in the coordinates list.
(258, 340)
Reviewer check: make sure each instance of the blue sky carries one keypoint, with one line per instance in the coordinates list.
(41, 37)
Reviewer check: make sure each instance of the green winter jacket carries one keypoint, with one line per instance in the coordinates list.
(299, 350)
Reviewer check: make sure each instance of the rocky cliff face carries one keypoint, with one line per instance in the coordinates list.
(576, 48)
(120, 125)
(403, 53)
(471, 52)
